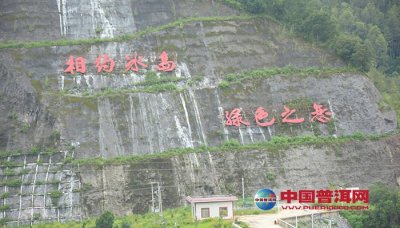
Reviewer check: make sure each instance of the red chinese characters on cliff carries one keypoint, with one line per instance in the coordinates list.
(78, 64)
(165, 65)
(260, 115)
(134, 63)
(287, 113)
(321, 114)
(104, 63)
(234, 118)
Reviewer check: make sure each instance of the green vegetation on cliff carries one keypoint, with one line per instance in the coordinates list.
(389, 87)
(284, 71)
(363, 33)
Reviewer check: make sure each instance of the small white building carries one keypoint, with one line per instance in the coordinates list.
(212, 206)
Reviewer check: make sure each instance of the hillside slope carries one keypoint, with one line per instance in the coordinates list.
(50, 118)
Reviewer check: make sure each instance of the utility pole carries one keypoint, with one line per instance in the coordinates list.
(312, 220)
(159, 198)
(243, 191)
(152, 198)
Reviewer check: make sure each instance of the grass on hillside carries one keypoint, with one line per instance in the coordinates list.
(178, 217)
(285, 71)
(389, 87)
(175, 217)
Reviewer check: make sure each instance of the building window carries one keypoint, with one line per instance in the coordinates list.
(205, 212)
(223, 212)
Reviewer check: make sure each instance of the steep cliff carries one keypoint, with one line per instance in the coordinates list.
(49, 117)
(126, 188)
(204, 63)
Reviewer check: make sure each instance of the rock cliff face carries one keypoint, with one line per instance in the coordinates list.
(134, 128)
(45, 20)
(112, 114)
(147, 123)
(125, 188)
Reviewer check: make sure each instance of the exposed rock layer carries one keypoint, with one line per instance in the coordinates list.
(125, 188)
